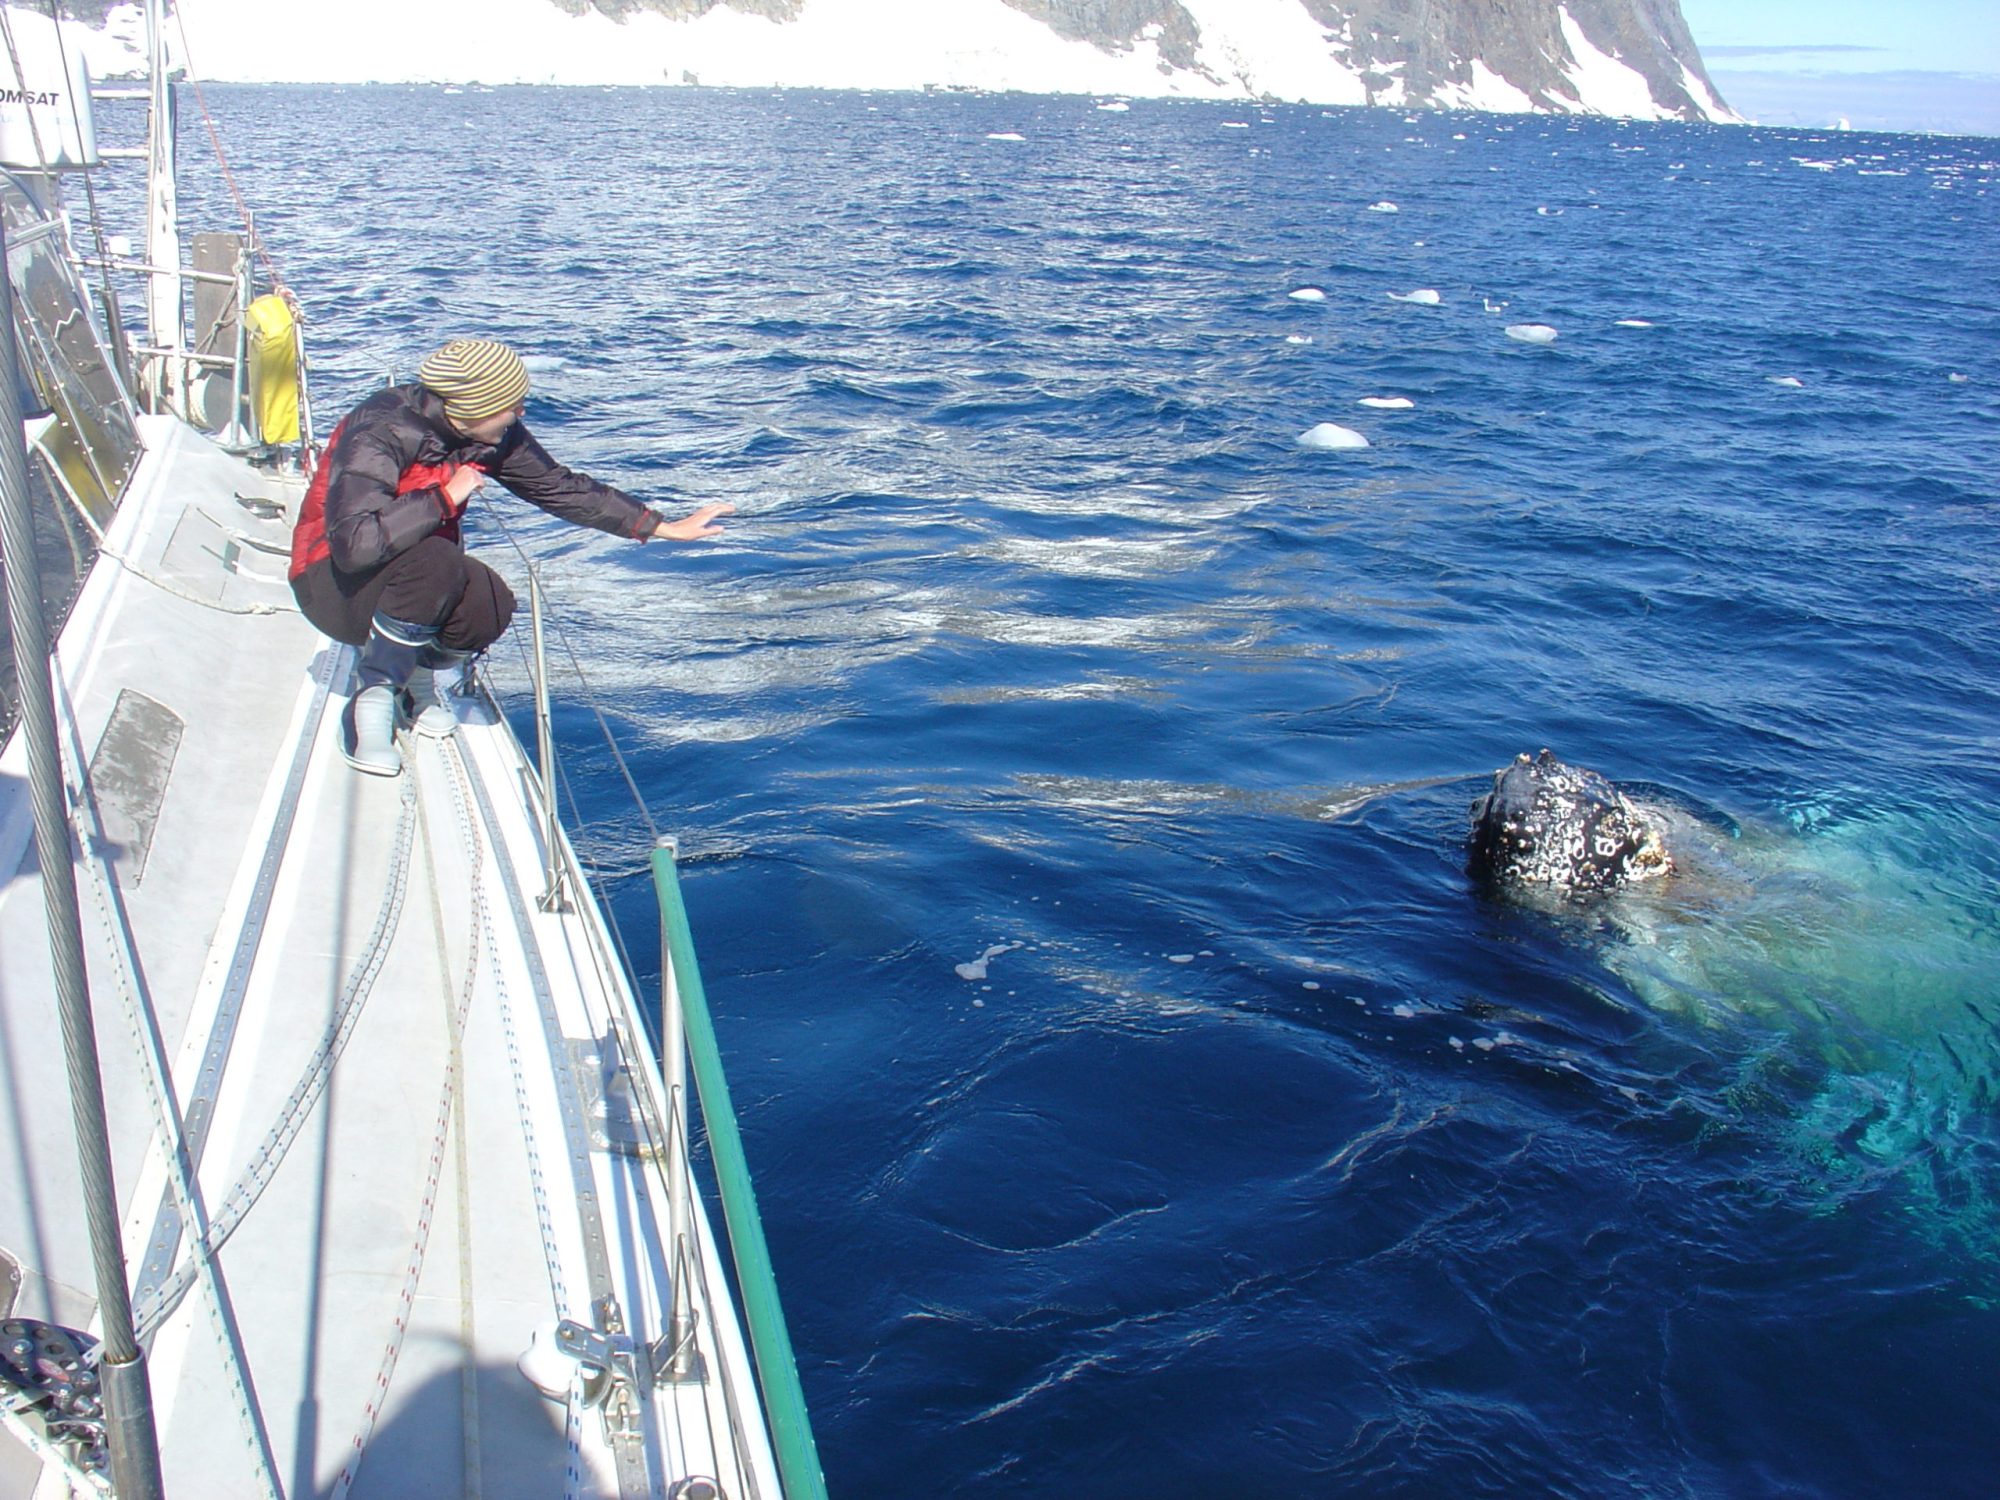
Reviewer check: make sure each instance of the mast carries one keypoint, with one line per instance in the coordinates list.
(166, 381)
(127, 1390)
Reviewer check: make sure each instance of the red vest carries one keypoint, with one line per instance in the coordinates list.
(309, 543)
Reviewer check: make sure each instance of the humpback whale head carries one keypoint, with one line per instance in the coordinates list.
(1555, 827)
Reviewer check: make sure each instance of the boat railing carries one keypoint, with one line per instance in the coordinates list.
(686, 1048)
(259, 361)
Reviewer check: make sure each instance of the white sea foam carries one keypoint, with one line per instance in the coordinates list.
(1531, 333)
(1633, 323)
(1423, 297)
(977, 968)
(1383, 207)
(1549, 213)
(542, 364)
(1306, 338)
(1387, 403)
(1307, 294)
(1330, 435)
(1792, 381)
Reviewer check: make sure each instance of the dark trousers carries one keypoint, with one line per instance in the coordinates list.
(432, 584)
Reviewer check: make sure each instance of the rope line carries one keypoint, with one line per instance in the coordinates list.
(263, 1166)
(448, 1095)
(573, 1488)
(135, 1007)
(78, 1481)
(726, 1432)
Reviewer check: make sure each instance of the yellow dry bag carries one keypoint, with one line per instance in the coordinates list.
(274, 368)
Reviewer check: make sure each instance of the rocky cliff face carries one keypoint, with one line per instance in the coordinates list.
(1633, 57)
(1531, 44)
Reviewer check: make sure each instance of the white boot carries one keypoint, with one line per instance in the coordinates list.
(368, 738)
(388, 660)
(430, 715)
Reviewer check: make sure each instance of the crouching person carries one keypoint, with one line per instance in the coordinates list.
(377, 556)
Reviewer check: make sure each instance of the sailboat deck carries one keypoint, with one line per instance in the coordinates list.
(427, 1119)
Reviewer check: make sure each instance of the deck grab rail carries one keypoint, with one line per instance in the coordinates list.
(770, 1342)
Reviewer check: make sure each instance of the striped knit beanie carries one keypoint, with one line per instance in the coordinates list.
(477, 378)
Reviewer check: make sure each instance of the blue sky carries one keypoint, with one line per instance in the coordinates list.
(1881, 64)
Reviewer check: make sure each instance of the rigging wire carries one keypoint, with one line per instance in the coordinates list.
(596, 708)
(222, 160)
(89, 185)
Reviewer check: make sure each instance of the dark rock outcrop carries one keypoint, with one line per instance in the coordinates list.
(1407, 53)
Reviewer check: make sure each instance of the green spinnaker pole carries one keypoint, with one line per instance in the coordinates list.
(777, 1370)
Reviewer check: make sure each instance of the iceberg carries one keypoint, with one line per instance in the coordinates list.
(1531, 333)
(1328, 435)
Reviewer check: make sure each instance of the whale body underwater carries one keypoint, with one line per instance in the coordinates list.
(1832, 961)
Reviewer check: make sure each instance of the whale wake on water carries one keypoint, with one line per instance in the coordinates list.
(1853, 986)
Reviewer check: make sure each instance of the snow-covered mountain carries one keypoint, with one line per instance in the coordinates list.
(1615, 57)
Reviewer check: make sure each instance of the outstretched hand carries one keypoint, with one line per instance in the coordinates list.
(696, 527)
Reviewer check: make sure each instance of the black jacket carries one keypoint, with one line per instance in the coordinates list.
(378, 490)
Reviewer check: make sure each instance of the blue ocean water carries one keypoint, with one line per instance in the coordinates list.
(1072, 769)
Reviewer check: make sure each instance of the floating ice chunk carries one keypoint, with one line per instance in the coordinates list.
(1114, 107)
(1956, 378)
(1785, 380)
(1331, 435)
(1180, 958)
(977, 968)
(1423, 296)
(1312, 984)
(1531, 333)
(1235, 124)
(1384, 207)
(1403, 1010)
(1549, 213)
(1307, 294)
(1387, 403)
(1633, 323)
(1298, 338)
(1005, 135)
